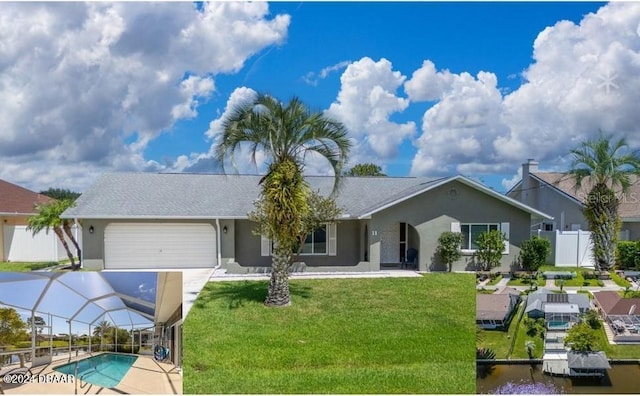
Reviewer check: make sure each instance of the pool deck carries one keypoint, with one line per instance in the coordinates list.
(146, 376)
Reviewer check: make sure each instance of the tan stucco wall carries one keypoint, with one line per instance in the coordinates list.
(432, 213)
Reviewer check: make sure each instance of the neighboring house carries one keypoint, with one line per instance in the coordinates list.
(494, 310)
(556, 194)
(559, 310)
(146, 220)
(17, 204)
(622, 314)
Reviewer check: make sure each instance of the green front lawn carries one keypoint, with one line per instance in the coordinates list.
(540, 282)
(393, 335)
(25, 267)
(579, 280)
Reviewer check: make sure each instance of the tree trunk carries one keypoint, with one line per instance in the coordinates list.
(601, 212)
(279, 294)
(60, 235)
(67, 230)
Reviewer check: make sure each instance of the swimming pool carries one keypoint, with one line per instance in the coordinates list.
(106, 370)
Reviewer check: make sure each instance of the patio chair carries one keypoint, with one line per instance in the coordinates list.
(411, 259)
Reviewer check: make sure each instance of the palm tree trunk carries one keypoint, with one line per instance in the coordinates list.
(60, 235)
(279, 294)
(602, 214)
(67, 230)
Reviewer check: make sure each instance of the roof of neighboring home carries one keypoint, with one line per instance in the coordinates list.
(561, 308)
(16, 200)
(613, 304)
(543, 299)
(629, 201)
(590, 360)
(181, 195)
(492, 306)
(508, 290)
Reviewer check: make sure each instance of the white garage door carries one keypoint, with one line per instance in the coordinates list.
(159, 245)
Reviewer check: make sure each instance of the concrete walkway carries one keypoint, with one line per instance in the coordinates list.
(193, 280)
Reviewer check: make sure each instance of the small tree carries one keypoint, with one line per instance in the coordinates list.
(533, 253)
(449, 247)
(367, 169)
(11, 326)
(592, 318)
(322, 210)
(581, 338)
(490, 248)
(530, 347)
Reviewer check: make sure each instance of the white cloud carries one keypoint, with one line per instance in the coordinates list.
(583, 80)
(459, 130)
(312, 78)
(366, 101)
(94, 83)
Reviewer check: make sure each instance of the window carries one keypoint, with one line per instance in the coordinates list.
(471, 232)
(321, 241)
(316, 242)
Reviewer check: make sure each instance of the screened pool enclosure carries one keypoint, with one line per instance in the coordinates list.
(72, 313)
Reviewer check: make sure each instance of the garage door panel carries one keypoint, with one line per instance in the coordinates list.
(159, 245)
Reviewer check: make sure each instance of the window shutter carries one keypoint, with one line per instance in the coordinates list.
(332, 238)
(265, 246)
(455, 227)
(504, 228)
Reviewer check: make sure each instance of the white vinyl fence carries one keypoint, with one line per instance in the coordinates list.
(569, 248)
(21, 245)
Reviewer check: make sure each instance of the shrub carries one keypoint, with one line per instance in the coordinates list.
(534, 252)
(619, 281)
(127, 349)
(490, 248)
(628, 255)
(449, 247)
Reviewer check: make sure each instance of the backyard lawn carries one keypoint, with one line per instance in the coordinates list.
(393, 335)
(501, 342)
(24, 267)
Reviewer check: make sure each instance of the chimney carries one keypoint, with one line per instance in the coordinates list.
(531, 166)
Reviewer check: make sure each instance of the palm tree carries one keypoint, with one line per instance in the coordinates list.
(60, 207)
(530, 346)
(285, 133)
(606, 167)
(100, 330)
(48, 218)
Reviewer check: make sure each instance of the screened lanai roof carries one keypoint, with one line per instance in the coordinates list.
(127, 298)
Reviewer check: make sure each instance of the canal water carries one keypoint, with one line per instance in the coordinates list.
(620, 378)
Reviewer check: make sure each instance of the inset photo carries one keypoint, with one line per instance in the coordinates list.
(90, 333)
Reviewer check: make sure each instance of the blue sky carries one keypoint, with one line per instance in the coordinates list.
(425, 89)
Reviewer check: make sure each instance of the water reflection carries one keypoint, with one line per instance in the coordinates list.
(621, 378)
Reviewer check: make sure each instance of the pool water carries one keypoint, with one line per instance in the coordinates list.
(105, 370)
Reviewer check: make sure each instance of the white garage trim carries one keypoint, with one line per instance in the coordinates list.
(159, 245)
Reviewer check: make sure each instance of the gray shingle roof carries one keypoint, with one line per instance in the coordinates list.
(539, 300)
(166, 195)
(183, 196)
(591, 360)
